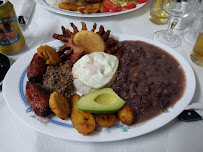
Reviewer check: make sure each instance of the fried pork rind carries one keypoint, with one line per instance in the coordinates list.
(73, 52)
(106, 120)
(83, 122)
(90, 41)
(48, 54)
(91, 8)
(91, 1)
(83, 8)
(126, 115)
(59, 105)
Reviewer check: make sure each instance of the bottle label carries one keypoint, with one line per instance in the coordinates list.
(10, 41)
(8, 31)
(9, 19)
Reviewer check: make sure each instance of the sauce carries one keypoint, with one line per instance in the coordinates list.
(148, 79)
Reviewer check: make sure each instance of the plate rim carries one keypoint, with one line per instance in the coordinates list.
(89, 138)
(54, 9)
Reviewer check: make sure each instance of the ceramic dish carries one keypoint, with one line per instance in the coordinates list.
(14, 94)
(55, 9)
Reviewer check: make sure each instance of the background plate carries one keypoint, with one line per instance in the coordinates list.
(14, 94)
(49, 7)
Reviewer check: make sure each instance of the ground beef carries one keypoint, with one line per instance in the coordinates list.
(59, 78)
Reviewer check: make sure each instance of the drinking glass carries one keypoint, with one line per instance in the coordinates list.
(197, 52)
(192, 34)
(176, 9)
(157, 14)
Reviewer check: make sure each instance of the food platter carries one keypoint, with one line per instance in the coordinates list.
(49, 7)
(14, 94)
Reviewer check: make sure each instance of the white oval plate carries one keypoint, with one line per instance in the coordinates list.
(55, 9)
(14, 94)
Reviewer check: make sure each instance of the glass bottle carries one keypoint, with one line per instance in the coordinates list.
(11, 36)
(197, 52)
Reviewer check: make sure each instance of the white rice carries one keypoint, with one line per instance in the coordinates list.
(81, 88)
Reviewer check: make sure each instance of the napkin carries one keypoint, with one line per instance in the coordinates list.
(25, 11)
(195, 106)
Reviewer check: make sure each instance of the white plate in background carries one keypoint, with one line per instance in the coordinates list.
(55, 9)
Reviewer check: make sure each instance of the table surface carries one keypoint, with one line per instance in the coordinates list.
(176, 136)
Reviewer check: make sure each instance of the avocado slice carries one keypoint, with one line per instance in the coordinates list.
(100, 101)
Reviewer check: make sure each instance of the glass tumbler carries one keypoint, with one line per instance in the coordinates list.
(197, 52)
(157, 14)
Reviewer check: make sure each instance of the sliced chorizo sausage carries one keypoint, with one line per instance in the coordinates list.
(38, 99)
(36, 69)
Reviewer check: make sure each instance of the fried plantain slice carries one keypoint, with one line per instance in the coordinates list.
(74, 101)
(48, 54)
(59, 105)
(90, 41)
(69, 6)
(106, 120)
(83, 122)
(126, 115)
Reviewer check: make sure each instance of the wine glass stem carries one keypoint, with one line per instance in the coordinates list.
(168, 34)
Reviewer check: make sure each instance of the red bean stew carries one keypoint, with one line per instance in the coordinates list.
(148, 79)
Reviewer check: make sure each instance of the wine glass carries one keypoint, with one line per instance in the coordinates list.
(176, 9)
(192, 34)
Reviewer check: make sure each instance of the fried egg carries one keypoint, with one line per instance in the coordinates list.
(95, 70)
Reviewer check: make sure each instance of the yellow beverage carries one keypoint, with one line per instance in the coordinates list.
(197, 52)
(11, 37)
(157, 14)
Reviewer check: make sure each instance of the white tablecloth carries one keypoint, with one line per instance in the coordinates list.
(176, 136)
